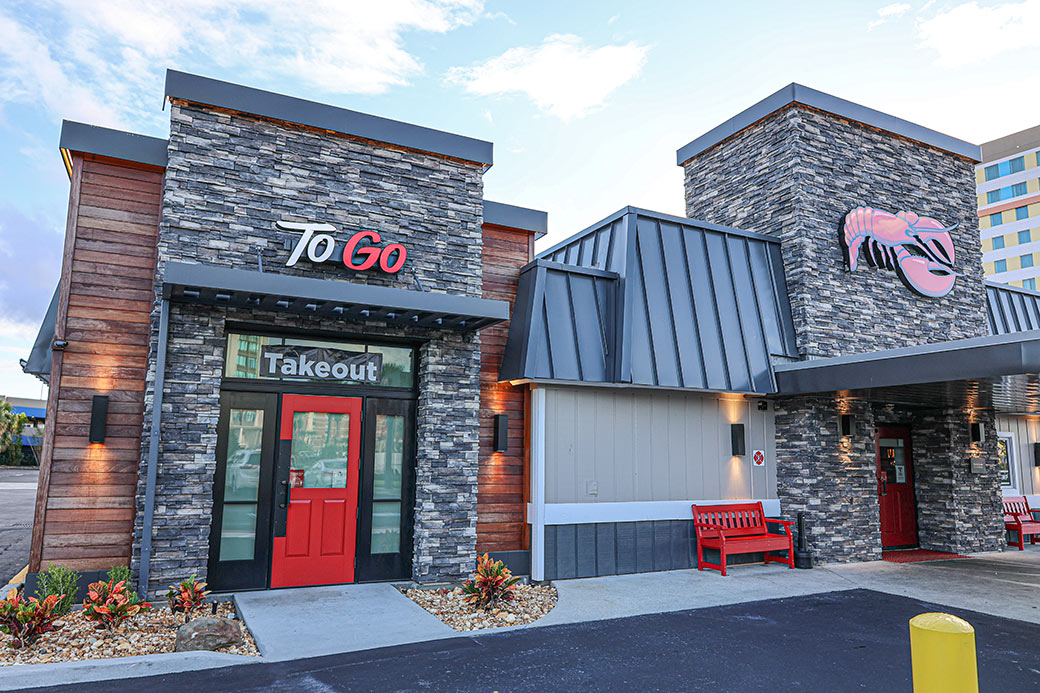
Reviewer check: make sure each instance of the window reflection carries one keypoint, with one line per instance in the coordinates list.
(388, 468)
(320, 445)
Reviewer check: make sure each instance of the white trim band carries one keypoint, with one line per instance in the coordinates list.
(630, 511)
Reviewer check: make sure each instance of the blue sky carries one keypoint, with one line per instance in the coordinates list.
(586, 102)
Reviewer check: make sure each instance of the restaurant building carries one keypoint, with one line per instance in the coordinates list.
(292, 344)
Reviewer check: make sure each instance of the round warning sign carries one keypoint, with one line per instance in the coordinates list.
(759, 458)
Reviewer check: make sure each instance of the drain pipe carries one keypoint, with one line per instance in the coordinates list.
(153, 450)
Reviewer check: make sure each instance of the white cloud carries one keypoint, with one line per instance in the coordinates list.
(896, 9)
(968, 33)
(562, 76)
(96, 60)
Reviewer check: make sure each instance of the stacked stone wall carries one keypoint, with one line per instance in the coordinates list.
(230, 178)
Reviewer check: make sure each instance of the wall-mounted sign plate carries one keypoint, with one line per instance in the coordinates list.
(758, 458)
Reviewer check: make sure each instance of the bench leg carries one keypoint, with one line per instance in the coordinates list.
(700, 556)
(722, 553)
(767, 557)
(1021, 543)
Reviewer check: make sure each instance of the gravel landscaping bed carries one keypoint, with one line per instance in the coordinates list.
(151, 632)
(530, 604)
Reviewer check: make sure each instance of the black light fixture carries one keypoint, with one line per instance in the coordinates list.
(1036, 454)
(98, 418)
(846, 425)
(501, 443)
(736, 434)
(977, 433)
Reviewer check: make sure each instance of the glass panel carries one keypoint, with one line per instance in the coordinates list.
(242, 358)
(245, 439)
(386, 527)
(1004, 460)
(320, 442)
(893, 460)
(389, 457)
(238, 532)
(397, 365)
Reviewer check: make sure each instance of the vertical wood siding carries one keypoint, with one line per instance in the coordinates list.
(501, 490)
(1027, 432)
(85, 512)
(653, 446)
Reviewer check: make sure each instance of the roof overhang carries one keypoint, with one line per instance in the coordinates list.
(236, 97)
(223, 286)
(998, 370)
(513, 217)
(117, 144)
(39, 361)
(797, 93)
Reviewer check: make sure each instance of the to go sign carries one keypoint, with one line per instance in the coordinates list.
(361, 251)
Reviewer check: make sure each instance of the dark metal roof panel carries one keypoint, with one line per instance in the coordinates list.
(235, 97)
(1011, 309)
(796, 93)
(562, 327)
(39, 361)
(698, 305)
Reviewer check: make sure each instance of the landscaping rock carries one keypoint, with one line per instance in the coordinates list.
(207, 633)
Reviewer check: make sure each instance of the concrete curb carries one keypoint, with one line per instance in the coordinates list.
(22, 676)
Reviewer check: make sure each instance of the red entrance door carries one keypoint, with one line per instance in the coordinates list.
(895, 478)
(324, 437)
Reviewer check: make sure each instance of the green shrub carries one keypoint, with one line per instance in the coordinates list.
(27, 619)
(492, 583)
(61, 581)
(121, 573)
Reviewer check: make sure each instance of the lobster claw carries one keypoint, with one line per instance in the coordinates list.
(925, 276)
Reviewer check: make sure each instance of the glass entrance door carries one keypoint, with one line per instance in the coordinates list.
(317, 491)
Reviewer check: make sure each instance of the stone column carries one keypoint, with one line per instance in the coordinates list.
(957, 510)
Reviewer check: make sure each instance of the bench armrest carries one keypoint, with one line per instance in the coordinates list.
(707, 525)
(786, 523)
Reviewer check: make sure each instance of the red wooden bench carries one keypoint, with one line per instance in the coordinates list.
(739, 528)
(1019, 518)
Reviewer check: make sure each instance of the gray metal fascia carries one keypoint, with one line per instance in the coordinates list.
(962, 359)
(154, 440)
(211, 277)
(117, 144)
(511, 216)
(797, 93)
(236, 97)
(572, 269)
(584, 232)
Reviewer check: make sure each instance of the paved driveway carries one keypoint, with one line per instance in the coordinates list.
(839, 641)
(17, 502)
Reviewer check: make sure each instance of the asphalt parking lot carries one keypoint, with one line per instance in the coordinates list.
(17, 502)
(836, 641)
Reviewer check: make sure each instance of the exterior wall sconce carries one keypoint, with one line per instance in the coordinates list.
(501, 438)
(846, 425)
(1036, 454)
(736, 435)
(98, 418)
(977, 433)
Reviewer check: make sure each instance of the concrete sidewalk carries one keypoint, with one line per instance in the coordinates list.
(312, 621)
(1003, 584)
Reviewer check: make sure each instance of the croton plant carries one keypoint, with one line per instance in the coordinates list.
(492, 583)
(110, 603)
(187, 596)
(26, 619)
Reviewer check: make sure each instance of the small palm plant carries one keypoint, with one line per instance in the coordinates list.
(492, 583)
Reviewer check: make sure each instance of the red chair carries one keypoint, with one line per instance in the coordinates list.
(1019, 518)
(739, 528)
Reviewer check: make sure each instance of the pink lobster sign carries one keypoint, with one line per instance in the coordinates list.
(919, 249)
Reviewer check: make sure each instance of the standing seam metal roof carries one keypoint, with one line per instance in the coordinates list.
(694, 305)
(1011, 309)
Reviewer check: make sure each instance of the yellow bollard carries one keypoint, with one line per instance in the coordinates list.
(942, 654)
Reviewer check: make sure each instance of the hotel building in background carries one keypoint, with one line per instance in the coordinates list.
(1008, 187)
